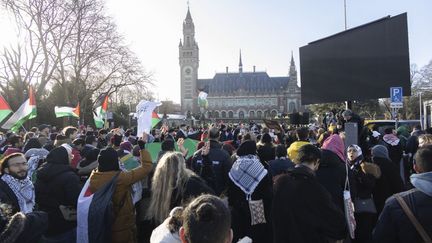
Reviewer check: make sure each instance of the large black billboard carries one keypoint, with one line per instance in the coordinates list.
(359, 63)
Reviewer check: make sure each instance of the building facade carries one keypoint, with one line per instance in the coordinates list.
(234, 95)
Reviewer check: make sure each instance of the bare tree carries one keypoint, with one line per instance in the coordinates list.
(71, 42)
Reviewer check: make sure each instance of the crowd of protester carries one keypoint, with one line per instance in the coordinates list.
(244, 183)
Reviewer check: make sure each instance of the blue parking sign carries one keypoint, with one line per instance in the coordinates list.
(396, 94)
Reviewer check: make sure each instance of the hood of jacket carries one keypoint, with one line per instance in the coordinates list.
(48, 171)
(423, 182)
(57, 163)
(58, 156)
(329, 159)
(215, 144)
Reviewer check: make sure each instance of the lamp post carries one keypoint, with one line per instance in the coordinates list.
(421, 107)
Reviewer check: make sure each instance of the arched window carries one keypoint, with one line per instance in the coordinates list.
(230, 114)
(273, 113)
(187, 41)
(241, 114)
(266, 114)
(216, 114)
(251, 114)
(223, 114)
(259, 114)
(292, 107)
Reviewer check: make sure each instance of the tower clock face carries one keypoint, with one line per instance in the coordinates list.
(188, 71)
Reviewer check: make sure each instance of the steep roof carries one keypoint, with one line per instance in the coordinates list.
(249, 83)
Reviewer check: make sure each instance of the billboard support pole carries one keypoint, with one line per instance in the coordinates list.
(348, 103)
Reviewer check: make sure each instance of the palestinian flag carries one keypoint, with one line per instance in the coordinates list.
(202, 97)
(155, 119)
(5, 109)
(25, 112)
(65, 111)
(100, 109)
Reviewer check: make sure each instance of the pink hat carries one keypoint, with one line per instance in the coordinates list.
(126, 146)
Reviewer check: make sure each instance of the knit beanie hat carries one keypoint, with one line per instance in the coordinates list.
(380, 151)
(108, 160)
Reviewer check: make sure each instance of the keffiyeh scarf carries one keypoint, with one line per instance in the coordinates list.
(246, 173)
(23, 190)
(391, 139)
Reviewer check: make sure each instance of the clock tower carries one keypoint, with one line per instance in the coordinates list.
(189, 62)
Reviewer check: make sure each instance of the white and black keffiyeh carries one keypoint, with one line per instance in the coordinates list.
(246, 173)
(23, 190)
(34, 155)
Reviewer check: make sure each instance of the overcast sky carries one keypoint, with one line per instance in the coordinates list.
(265, 31)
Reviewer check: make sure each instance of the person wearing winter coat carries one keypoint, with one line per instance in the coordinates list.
(389, 182)
(364, 175)
(281, 164)
(394, 146)
(168, 231)
(57, 189)
(21, 228)
(393, 224)
(302, 136)
(88, 164)
(250, 185)
(173, 185)
(303, 210)
(123, 227)
(220, 162)
(16, 188)
(332, 171)
(266, 149)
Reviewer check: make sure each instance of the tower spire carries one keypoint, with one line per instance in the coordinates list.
(292, 59)
(240, 63)
(188, 15)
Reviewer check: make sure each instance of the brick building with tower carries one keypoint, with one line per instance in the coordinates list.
(234, 95)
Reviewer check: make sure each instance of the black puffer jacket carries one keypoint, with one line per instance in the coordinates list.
(221, 163)
(57, 184)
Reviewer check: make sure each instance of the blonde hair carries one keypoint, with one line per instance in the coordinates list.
(170, 174)
(427, 139)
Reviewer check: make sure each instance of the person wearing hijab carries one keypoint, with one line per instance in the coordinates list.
(364, 175)
(332, 171)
